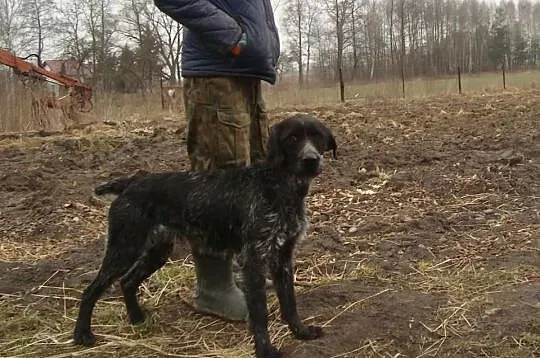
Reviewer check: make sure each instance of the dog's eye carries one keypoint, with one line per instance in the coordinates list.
(292, 139)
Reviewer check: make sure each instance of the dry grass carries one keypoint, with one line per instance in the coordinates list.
(287, 95)
(16, 108)
(129, 107)
(469, 289)
(41, 322)
(21, 109)
(172, 328)
(15, 104)
(29, 330)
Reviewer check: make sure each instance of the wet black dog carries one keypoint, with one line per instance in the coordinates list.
(258, 212)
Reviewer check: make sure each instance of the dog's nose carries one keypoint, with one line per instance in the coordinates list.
(311, 155)
(310, 159)
(311, 162)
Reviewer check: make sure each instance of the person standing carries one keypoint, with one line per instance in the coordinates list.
(229, 47)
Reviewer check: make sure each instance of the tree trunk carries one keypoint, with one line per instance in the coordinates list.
(354, 42)
(403, 47)
(341, 86)
(299, 49)
(340, 36)
(392, 34)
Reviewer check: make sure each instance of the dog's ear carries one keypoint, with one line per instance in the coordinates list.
(331, 143)
(274, 151)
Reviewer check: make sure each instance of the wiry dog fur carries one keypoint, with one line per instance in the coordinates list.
(257, 212)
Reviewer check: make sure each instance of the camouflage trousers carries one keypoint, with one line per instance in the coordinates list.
(227, 123)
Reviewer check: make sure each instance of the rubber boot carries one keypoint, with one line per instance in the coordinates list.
(216, 292)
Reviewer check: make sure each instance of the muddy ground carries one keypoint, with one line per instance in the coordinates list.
(424, 238)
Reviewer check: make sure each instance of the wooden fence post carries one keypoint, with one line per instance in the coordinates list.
(161, 91)
(341, 86)
(459, 78)
(504, 75)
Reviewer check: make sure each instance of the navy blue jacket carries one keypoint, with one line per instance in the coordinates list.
(212, 28)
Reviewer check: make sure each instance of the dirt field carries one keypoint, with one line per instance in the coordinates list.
(424, 238)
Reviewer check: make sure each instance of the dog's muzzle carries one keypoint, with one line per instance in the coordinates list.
(310, 160)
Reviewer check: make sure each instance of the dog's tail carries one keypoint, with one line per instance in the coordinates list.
(117, 186)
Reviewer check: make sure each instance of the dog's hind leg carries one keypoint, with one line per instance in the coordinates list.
(122, 249)
(149, 262)
(108, 273)
(282, 273)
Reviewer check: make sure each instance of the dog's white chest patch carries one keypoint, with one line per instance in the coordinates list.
(296, 230)
(280, 240)
(279, 231)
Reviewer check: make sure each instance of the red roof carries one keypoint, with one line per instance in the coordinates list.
(69, 67)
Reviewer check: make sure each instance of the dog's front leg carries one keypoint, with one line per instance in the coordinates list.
(255, 282)
(282, 272)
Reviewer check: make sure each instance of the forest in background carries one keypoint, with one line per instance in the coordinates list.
(130, 44)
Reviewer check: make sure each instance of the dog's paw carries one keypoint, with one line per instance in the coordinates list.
(84, 338)
(136, 317)
(272, 352)
(267, 351)
(308, 332)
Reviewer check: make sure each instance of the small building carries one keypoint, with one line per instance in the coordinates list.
(70, 68)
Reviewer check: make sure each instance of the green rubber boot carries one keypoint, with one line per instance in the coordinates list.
(216, 292)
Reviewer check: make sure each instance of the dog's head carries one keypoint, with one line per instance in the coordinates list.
(297, 144)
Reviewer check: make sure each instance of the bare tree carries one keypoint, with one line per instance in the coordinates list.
(390, 15)
(296, 14)
(402, 56)
(332, 40)
(324, 53)
(100, 26)
(72, 42)
(135, 30)
(169, 40)
(133, 20)
(354, 16)
(312, 17)
(337, 12)
(37, 24)
(10, 23)
(300, 18)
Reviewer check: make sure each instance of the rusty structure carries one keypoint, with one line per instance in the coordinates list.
(78, 98)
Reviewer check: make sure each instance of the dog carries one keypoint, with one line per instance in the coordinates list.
(257, 212)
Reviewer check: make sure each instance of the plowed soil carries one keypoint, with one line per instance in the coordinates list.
(424, 237)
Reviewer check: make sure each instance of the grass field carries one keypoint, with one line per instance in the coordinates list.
(415, 88)
(15, 111)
